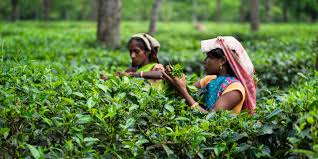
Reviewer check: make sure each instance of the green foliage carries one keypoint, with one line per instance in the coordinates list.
(306, 140)
(53, 104)
(87, 121)
(176, 70)
(171, 10)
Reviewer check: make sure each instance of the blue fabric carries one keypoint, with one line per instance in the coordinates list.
(215, 89)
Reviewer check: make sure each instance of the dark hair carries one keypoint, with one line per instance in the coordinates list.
(142, 45)
(219, 54)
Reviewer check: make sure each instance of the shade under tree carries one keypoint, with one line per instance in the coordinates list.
(254, 15)
(14, 10)
(154, 17)
(108, 22)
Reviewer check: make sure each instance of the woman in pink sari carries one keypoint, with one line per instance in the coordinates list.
(229, 82)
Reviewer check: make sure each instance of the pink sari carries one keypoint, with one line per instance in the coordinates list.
(240, 64)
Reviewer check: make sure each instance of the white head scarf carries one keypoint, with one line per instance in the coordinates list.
(150, 41)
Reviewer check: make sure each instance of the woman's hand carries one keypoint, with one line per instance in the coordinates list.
(181, 86)
(103, 76)
(122, 74)
(179, 83)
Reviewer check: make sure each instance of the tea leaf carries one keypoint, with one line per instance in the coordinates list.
(168, 151)
(35, 152)
(79, 94)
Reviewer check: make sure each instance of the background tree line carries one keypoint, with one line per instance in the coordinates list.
(170, 10)
(109, 13)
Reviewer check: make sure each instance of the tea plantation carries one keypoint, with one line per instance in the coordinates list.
(53, 104)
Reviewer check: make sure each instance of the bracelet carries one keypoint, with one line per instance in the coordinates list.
(141, 73)
(194, 105)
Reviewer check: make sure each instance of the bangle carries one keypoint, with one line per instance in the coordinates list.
(141, 73)
(194, 105)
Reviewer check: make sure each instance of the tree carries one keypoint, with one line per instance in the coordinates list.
(285, 5)
(218, 11)
(108, 22)
(316, 51)
(268, 9)
(93, 10)
(154, 16)
(194, 12)
(243, 10)
(254, 15)
(317, 62)
(309, 7)
(14, 4)
(299, 8)
(285, 14)
(46, 8)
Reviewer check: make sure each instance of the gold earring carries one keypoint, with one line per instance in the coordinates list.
(221, 67)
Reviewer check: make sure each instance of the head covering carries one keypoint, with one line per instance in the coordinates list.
(240, 63)
(150, 41)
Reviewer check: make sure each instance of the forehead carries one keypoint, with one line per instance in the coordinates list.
(134, 44)
(210, 57)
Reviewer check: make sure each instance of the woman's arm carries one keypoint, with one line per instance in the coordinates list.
(181, 87)
(131, 69)
(227, 101)
(191, 102)
(155, 73)
(147, 75)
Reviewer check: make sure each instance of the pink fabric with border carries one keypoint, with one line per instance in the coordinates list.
(241, 73)
(240, 63)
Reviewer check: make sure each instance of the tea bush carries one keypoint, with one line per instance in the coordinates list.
(45, 115)
(53, 104)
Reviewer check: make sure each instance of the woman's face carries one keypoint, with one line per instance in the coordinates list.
(212, 65)
(138, 56)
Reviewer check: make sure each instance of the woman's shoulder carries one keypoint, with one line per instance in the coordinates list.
(205, 80)
(237, 85)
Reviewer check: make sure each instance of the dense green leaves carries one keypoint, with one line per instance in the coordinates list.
(53, 104)
(171, 10)
(176, 70)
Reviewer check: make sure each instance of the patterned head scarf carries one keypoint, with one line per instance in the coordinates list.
(150, 41)
(240, 63)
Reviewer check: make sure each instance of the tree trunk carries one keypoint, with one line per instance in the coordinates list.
(93, 15)
(14, 4)
(194, 12)
(154, 17)
(108, 22)
(46, 9)
(268, 10)
(313, 17)
(254, 16)
(317, 55)
(285, 14)
(242, 11)
(317, 62)
(218, 11)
